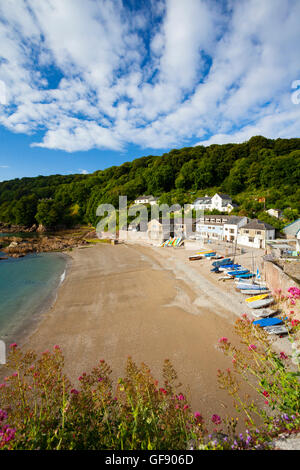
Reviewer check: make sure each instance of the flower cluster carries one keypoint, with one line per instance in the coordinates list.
(7, 433)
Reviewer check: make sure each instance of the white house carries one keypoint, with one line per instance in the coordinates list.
(211, 227)
(202, 203)
(275, 213)
(255, 234)
(298, 241)
(146, 200)
(221, 202)
(230, 228)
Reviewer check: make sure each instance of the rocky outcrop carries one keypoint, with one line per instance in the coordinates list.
(9, 228)
(18, 247)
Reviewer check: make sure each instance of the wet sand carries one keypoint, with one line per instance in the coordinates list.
(148, 303)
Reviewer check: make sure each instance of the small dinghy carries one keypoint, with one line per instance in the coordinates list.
(195, 257)
(257, 297)
(261, 303)
(244, 276)
(237, 272)
(247, 285)
(253, 291)
(264, 313)
(222, 262)
(227, 267)
(277, 330)
(263, 322)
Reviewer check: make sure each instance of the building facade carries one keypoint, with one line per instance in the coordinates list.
(255, 234)
(220, 202)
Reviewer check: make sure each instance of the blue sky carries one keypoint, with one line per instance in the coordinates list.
(86, 85)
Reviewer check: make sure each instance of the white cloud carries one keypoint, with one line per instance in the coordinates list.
(161, 76)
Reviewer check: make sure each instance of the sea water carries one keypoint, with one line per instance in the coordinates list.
(27, 287)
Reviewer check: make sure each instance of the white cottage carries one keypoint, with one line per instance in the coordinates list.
(255, 234)
(230, 229)
(220, 202)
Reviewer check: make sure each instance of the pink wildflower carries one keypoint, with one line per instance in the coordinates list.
(223, 340)
(252, 347)
(283, 355)
(13, 346)
(74, 391)
(216, 419)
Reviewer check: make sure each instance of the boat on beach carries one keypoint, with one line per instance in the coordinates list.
(261, 303)
(222, 262)
(277, 329)
(253, 291)
(240, 284)
(257, 297)
(263, 322)
(263, 313)
(195, 257)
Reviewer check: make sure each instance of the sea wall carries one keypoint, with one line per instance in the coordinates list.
(276, 278)
(131, 236)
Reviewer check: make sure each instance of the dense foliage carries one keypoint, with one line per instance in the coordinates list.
(259, 168)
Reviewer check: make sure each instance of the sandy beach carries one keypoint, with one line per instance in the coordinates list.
(148, 303)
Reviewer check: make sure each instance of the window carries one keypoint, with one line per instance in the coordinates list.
(251, 239)
(231, 230)
(258, 232)
(246, 231)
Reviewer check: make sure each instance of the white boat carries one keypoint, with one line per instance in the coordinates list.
(249, 286)
(253, 291)
(276, 330)
(264, 313)
(261, 303)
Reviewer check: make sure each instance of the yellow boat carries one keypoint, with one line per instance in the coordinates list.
(204, 252)
(257, 297)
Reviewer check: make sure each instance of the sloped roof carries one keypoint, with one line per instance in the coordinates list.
(293, 228)
(234, 219)
(203, 199)
(258, 225)
(224, 196)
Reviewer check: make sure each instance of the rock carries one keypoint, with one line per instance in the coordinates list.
(13, 245)
(287, 443)
(41, 229)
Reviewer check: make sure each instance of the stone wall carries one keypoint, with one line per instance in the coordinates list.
(131, 236)
(276, 278)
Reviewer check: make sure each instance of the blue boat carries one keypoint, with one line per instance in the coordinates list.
(268, 322)
(237, 272)
(244, 276)
(230, 266)
(222, 262)
(215, 270)
(244, 285)
(208, 255)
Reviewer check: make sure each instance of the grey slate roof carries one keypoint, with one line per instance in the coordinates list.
(293, 228)
(256, 224)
